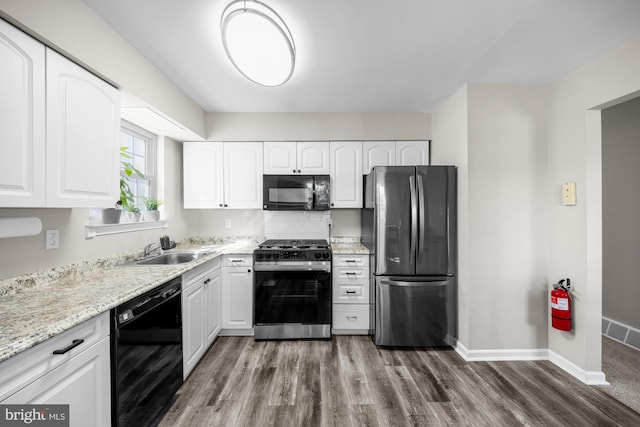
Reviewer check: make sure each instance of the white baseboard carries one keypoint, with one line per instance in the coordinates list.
(587, 377)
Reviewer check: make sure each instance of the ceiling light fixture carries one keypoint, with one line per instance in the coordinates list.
(258, 42)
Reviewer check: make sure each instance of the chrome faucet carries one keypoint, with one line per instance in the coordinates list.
(150, 248)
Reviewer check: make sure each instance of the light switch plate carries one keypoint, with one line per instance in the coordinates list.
(569, 194)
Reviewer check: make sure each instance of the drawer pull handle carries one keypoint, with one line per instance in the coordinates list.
(351, 260)
(207, 281)
(352, 317)
(350, 273)
(236, 260)
(351, 292)
(70, 347)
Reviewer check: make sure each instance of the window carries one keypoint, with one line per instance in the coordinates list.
(141, 147)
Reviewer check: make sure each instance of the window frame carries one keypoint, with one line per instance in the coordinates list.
(151, 142)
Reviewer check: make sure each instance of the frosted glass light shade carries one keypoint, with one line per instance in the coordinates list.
(258, 42)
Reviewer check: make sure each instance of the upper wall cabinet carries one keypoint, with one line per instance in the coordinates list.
(59, 118)
(346, 174)
(83, 135)
(22, 119)
(412, 153)
(377, 153)
(290, 157)
(221, 175)
(394, 153)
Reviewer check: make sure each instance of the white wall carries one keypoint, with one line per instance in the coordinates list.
(495, 134)
(77, 31)
(574, 154)
(507, 219)
(621, 213)
(450, 147)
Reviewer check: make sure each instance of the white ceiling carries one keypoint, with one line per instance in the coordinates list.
(375, 55)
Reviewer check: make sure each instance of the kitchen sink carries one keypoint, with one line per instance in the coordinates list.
(172, 258)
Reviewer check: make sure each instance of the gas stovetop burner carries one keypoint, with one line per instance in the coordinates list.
(294, 244)
(292, 250)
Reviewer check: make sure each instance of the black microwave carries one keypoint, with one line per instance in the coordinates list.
(295, 192)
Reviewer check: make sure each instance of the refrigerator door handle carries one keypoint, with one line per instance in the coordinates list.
(435, 284)
(422, 225)
(414, 216)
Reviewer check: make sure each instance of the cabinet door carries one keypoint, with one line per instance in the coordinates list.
(203, 175)
(83, 383)
(412, 153)
(377, 153)
(83, 137)
(193, 345)
(212, 307)
(237, 298)
(346, 174)
(243, 163)
(280, 158)
(313, 158)
(22, 119)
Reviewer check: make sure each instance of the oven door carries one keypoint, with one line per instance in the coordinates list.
(292, 297)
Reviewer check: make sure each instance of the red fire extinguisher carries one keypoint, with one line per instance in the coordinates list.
(561, 305)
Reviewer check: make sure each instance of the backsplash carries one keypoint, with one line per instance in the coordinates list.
(296, 225)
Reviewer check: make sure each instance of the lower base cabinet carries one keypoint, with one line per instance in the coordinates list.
(78, 377)
(201, 288)
(351, 293)
(237, 295)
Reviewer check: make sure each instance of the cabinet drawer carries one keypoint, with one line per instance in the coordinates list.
(350, 274)
(350, 261)
(237, 261)
(351, 293)
(351, 316)
(24, 368)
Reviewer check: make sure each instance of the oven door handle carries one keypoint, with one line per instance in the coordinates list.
(268, 267)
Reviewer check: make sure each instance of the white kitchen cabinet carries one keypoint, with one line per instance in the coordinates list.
(243, 165)
(237, 295)
(377, 153)
(412, 153)
(218, 175)
(200, 312)
(203, 175)
(351, 294)
(83, 137)
(290, 157)
(80, 377)
(22, 119)
(346, 174)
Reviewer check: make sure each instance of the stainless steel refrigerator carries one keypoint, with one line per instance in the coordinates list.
(409, 226)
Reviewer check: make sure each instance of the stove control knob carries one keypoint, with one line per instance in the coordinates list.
(267, 255)
(318, 255)
(259, 255)
(325, 255)
(275, 256)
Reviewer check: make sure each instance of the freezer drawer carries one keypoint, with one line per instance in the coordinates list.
(415, 312)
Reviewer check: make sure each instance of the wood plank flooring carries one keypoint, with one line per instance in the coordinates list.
(348, 381)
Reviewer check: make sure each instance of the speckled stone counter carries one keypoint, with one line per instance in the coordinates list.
(345, 245)
(35, 307)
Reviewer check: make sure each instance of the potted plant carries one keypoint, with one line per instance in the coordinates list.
(127, 200)
(151, 204)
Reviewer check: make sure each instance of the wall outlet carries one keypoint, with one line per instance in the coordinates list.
(569, 194)
(227, 223)
(53, 239)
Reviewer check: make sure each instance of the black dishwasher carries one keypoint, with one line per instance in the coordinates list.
(146, 355)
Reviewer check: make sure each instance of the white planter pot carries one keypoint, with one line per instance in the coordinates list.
(151, 215)
(111, 216)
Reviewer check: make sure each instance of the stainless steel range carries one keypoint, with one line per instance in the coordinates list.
(292, 289)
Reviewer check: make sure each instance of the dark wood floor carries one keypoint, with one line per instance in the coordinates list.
(348, 381)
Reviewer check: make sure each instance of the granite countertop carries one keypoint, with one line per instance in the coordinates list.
(38, 306)
(349, 248)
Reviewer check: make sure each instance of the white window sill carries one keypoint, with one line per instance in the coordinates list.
(94, 230)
